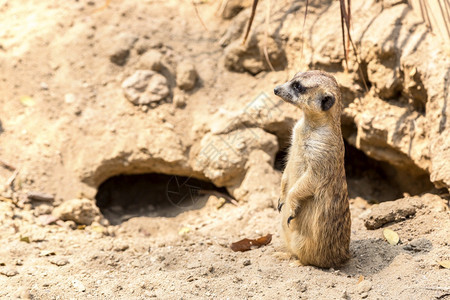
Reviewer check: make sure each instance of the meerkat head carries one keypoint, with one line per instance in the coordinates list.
(312, 91)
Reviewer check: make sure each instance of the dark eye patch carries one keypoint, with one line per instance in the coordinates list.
(298, 87)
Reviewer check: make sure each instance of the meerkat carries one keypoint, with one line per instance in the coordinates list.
(314, 200)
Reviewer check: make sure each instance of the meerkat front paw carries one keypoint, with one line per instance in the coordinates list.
(292, 213)
(280, 205)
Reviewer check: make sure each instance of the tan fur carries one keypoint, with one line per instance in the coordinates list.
(314, 187)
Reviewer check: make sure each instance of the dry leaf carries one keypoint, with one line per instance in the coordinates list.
(184, 231)
(361, 278)
(98, 228)
(221, 203)
(247, 244)
(27, 101)
(25, 239)
(445, 264)
(391, 236)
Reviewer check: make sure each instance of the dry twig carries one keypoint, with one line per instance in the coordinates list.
(250, 21)
(7, 166)
(198, 15)
(266, 34)
(218, 194)
(11, 179)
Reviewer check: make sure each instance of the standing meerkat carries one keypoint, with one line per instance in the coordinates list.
(314, 201)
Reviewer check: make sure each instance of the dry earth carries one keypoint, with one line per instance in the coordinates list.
(92, 96)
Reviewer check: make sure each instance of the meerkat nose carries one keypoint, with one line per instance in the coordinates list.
(277, 90)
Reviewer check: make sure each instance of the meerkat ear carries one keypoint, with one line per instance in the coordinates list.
(327, 102)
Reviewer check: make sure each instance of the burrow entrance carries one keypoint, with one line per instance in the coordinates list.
(157, 195)
(153, 195)
(372, 180)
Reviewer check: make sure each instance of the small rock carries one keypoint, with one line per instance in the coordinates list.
(186, 76)
(302, 287)
(59, 261)
(42, 196)
(43, 209)
(81, 211)
(104, 222)
(9, 272)
(121, 48)
(47, 219)
(69, 98)
(145, 87)
(78, 285)
(22, 293)
(46, 253)
(179, 100)
(70, 224)
(120, 246)
(364, 286)
(44, 86)
(111, 231)
(151, 60)
(391, 211)
(247, 262)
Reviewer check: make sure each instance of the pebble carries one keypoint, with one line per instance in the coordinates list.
(81, 211)
(364, 286)
(59, 261)
(145, 87)
(179, 100)
(70, 224)
(186, 76)
(44, 86)
(247, 262)
(120, 246)
(43, 209)
(42, 196)
(69, 98)
(302, 287)
(9, 272)
(78, 285)
(121, 47)
(151, 60)
(391, 211)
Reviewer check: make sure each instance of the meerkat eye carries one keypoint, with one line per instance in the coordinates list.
(298, 87)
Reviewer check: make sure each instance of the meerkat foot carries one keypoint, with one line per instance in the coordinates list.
(289, 220)
(293, 213)
(282, 255)
(280, 205)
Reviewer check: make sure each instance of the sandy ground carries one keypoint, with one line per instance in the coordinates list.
(168, 250)
(188, 256)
